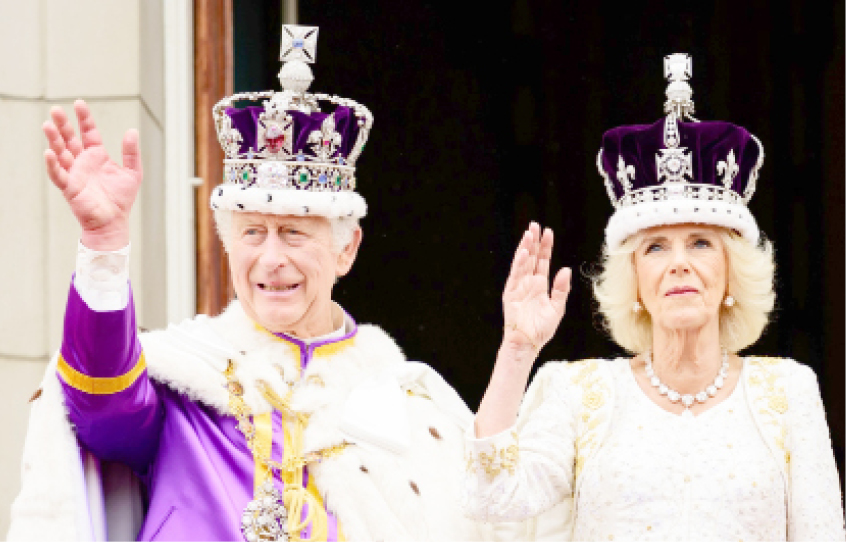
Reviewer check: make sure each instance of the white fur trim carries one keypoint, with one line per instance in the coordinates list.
(288, 201)
(629, 220)
(52, 504)
(376, 493)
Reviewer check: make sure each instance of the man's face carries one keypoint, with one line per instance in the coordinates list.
(283, 269)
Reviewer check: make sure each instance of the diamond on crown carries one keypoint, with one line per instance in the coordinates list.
(728, 169)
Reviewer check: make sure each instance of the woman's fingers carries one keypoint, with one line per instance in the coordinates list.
(517, 262)
(87, 127)
(560, 290)
(58, 175)
(518, 267)
(538, 253)
(534, 229)
(544, 253)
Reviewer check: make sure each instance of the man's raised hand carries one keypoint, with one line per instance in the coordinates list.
(99, 192)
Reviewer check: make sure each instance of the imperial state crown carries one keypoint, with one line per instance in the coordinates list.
(287, 156)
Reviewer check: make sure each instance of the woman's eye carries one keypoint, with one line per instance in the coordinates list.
(702, 243)
(654, 247)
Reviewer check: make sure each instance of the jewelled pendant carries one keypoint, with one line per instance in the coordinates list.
(264, 519)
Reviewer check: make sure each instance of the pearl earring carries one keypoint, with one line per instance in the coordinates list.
(729, 301)
(637, 307)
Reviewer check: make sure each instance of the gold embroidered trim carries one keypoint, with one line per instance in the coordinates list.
(595, 394)
(100, 385)
(333, 348)
(497, 461)
(329, 349)
(771, 400)
(237, 406)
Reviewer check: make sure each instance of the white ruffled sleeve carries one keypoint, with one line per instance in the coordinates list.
(524, 470)
(816, 511)
(102, 278)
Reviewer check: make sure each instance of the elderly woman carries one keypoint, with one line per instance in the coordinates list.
(280, 419)
(686, 440)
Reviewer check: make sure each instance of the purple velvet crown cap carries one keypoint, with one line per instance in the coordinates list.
(246, 121)
(709, 144)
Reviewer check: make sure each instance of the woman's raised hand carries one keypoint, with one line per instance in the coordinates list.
(99, 192)
(532, 312)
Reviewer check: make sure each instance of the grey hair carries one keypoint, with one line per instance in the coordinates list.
(751, 276)
(343, 229)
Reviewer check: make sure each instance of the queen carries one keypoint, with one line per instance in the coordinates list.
(685, 440)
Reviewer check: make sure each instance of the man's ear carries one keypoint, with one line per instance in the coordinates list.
(346, 257)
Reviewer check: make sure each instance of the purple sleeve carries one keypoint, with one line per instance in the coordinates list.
(111, 402)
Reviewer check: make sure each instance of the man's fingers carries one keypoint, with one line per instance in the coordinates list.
(57, 144)
(561, 290)
(57, 174)
(87, 127)
(66, 130)
(131, 151)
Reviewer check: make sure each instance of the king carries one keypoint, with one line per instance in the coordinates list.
(280, 419)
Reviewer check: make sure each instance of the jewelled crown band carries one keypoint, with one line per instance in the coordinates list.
(679, 170)
(286, 156)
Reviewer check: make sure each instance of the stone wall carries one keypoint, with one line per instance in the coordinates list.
(112, 54)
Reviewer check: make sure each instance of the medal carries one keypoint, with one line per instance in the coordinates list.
(265, 517)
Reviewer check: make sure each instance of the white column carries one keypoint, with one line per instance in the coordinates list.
(121, 57)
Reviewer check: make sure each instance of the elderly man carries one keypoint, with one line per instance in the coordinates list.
(280, 419)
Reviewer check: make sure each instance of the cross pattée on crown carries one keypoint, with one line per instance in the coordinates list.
(678, 67)
(298, 43)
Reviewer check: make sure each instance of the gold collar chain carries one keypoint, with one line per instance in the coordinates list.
(265, 518)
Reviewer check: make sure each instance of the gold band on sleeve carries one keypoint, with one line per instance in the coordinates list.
(100, 385)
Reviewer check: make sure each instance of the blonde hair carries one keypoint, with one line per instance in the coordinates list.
(751, 274)
(343, 229)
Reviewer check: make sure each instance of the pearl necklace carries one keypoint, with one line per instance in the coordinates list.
(687, 399)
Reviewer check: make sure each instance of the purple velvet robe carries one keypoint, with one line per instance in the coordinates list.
(194, 462)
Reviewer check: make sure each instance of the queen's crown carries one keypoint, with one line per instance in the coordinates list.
(673, 159)
(288, 142)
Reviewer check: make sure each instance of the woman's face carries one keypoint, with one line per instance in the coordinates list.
(681, 275)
